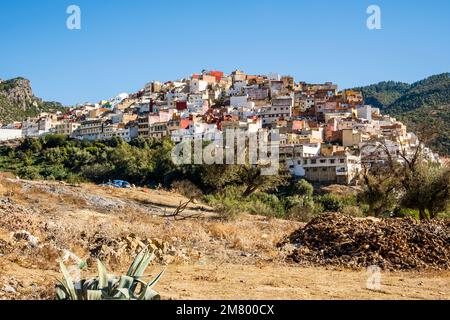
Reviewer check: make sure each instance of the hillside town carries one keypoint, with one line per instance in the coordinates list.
(326, 135)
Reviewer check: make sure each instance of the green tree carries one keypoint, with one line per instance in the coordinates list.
(380, 192)
(427, 189)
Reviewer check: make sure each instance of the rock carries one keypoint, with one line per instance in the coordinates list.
(106, 249)
(25, 235)
(9, 289)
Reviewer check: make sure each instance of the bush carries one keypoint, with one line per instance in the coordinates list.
(227, 208)
(97, 172)
(56, 172)
(304, 188)
(268, 204)
(29, 173)
(55, 140)
(260, 208)
(187, 189)
(353, 211)
(330, 203)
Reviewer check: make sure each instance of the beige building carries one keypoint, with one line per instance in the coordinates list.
(67, 128)
(340, 168)
(351, 137)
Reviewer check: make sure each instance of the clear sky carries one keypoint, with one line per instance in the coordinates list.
(124, 44)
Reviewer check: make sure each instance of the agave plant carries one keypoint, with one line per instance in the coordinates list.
(110, 287)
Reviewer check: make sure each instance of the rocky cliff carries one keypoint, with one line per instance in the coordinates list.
(18, 102)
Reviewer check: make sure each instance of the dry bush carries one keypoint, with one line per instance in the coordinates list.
(223, 231)
(353, 211)
(187, 189)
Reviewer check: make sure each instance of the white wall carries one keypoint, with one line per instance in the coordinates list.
(10, 134)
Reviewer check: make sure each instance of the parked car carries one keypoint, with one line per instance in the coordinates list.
(117, 184)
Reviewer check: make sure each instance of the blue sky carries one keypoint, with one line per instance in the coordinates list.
(124, 44)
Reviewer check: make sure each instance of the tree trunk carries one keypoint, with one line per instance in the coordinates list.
(377, 212)
(249, 191)
(422, 214)
(370, 212)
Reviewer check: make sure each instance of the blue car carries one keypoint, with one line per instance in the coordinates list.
(117, 184)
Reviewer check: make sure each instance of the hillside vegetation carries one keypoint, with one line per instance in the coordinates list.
(425, 103)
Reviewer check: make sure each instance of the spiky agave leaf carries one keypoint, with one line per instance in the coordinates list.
(103, 278)
(67, 283)
(148, 293)
(122, 294)
(126, 282)
(94, 295)
(140, 263)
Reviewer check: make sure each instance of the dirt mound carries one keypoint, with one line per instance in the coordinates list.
(339, 240)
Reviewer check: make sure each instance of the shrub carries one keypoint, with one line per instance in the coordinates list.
(301, 213)
(29, 173)
(353, 211)
(330, 203)
(97, 172)
(55, 140)
(108, 287)
(260, 208)
(304, 188)
(187, 189)
(56, 172)
(227, 208)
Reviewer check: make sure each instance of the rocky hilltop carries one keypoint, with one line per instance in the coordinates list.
(18, 102)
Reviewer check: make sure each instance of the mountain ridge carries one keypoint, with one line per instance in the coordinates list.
(425, 103)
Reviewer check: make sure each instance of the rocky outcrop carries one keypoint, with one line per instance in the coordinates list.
(17, 101)
(18, 91)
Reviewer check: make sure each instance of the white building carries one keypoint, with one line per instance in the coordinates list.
(10, 134)
(281, 108)
(341, 169)
(197, 86)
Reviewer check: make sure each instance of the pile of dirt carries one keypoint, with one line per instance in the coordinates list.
(394, 244)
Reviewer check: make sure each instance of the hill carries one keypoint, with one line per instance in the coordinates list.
(17, 101)
(425, 103)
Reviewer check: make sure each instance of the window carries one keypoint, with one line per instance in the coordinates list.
(342, 160)
(323, 161)
(313, 161)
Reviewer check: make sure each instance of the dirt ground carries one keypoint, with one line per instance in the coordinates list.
(293, 283)
(214, 259)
